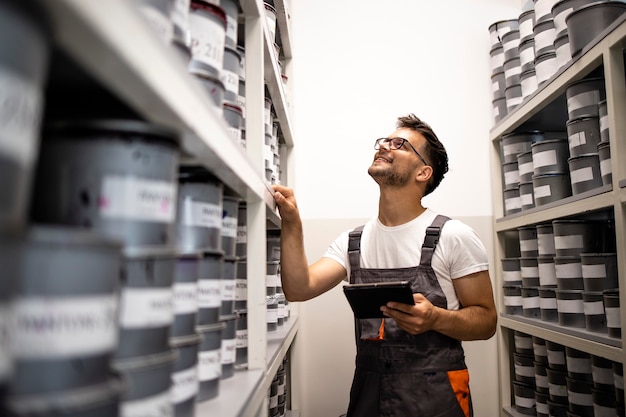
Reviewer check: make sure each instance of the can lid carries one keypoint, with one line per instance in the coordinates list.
(126, 128)
(195, 173)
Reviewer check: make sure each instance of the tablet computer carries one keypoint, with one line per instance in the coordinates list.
(366, 299)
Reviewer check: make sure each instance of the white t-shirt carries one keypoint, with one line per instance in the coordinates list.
(459, 252)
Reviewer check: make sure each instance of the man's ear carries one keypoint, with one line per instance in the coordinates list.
(424, 173)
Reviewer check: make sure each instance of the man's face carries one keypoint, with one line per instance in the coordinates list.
(396, 167)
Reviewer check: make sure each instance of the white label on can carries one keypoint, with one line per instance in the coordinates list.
(593, 308)
(209, 365)
(529, 85)
(282, 310)
(138, 199)
(272, 280)
(579, 398)
(513, 71)
(530, 271)
(605, 167)
(511, 177)
(267, 115)
(5, 342)
(200, 214)
(511, 275)
(229, 351)
(547, 274)
(496, 111)
(159, 405)
(526, 168)
(58, 327)
(547, 303)
(568, 242)
(569, 270)
(542, 191)
(542, 8)
(512, 203)
(274, 401)
(569, 306)
(241, 289)
(577, 139)
(613, 317)
(563, 55)
(281, 389)
(228, 289)
(510, 45)
(20, 116)
(556, 357)
(529, 245)
(209, 293)
(527, 56)
(242, 234)
(545, 69)
(241, 339)
(145, 307)
(594, 271)
(497, 59)
(185, 297)
(525, 402)
(545, 158)
(229, 227)
(230, 80)
(184, 384)
(527, 199)
(208, 38)
(524, 370)
(272, 315)
(512, 300)
(545, 39)
(495, 87)
(584, 99)
(530, 302)
(581, 175)
(526, 27)
(159, 22)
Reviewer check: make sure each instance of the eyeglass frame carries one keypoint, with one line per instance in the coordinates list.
(389, 141)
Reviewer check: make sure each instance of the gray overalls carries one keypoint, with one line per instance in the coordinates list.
(398, 374)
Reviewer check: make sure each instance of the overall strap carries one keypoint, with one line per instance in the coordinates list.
(431, 239)
(354, 253)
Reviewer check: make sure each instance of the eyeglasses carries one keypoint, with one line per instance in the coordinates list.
(397, 143)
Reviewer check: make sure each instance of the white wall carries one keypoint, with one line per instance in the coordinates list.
(357, 66)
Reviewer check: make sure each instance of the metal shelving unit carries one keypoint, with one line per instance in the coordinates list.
(606, 53)
(118, 49)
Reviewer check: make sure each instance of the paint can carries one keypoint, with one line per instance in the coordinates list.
(545, 66)
(241, 285)
(117, 177)
(562, 50)
(569, 273)
(547, 304)
(584, 171)
(512, 299)
(145, 311)
(613, 318)
(583, 97)
(526, 22)
(233, 115)
(228, 349)
(199, 213)
(241, 247)
(230, 213)
(185, 295)
(549, 188)
(545, 34)
(593, 307)
(512, 201)
(231, 9)
(185, 375)
(227, 308)
(550, 156)
(210, 288)
(496, 58)
(241, 340)
(214, 88)
(569, 304)
(511, 44)
(230, 73)
(528, 80)
(207, 25)
(585, 23)
(583, 135)
(65, 309)
(501, 27)
(209, 362)
(604, 155)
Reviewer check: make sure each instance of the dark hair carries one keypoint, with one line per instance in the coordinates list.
(435, 153)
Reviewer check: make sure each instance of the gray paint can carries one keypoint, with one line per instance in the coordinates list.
(199, 214)
(185, 295)
(9, 265)
(214, 88)
(227, 308)
(241, 246)
(65, 311)
(547, 304)
(207, 25)
(146, 311)
(613, 318)
(512, 299)
(230, 213)
(117, 177)
(149, 385)
(606, 171)
(210, 288)
(584, 172)
(548, 188)
(23, 72)
(241, 340)
(569, 304)
(587, 22)
(241, 285)
(233, 115)
(209, 361)
(185, 375)
(229, 346)
(583, 97)
(569, 272)
(550, 156)
(230, 73)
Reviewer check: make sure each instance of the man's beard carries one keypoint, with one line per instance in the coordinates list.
(389, 177)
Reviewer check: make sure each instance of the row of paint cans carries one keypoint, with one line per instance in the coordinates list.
(277, 305)
(576, 381)
(277, 391)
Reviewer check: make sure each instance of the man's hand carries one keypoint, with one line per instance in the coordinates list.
(413, 319)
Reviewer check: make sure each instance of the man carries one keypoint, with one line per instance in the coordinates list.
(410, 363)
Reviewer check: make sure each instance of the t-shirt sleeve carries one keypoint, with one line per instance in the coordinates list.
(465, 252)
(338, 250)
